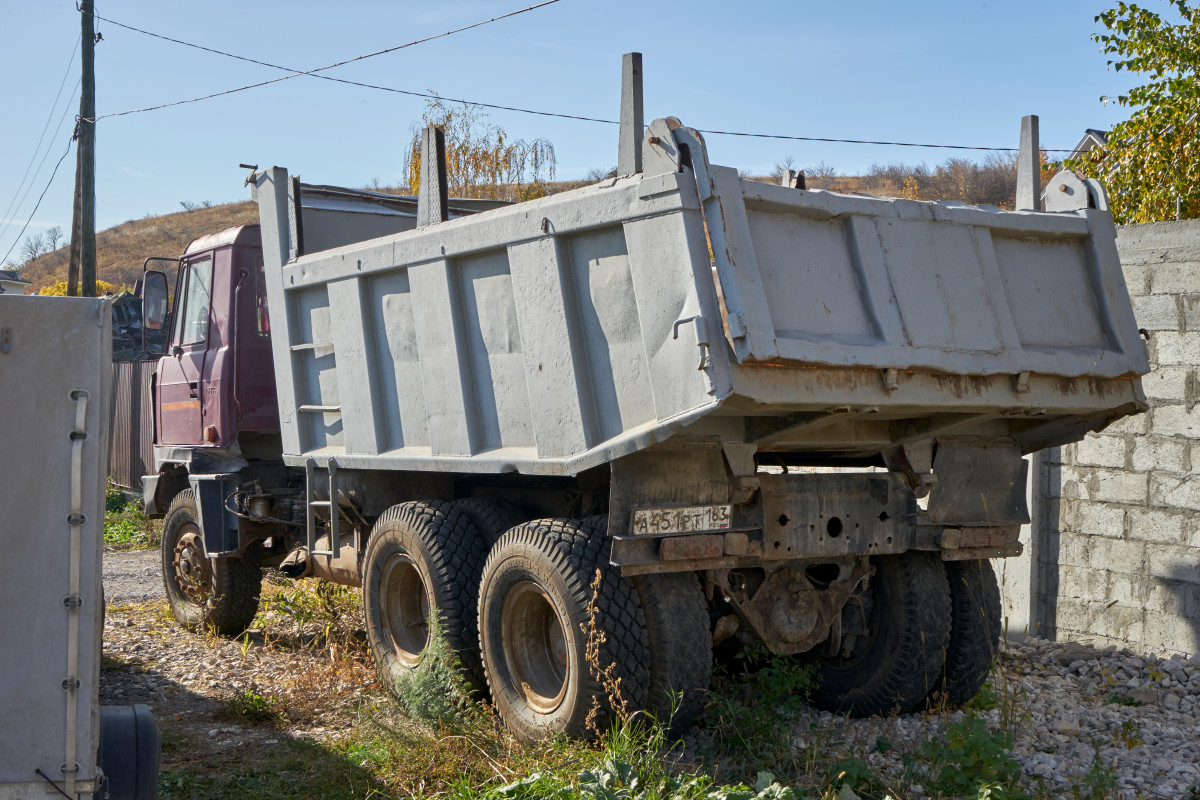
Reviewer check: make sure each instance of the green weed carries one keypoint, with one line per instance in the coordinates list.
(436, 690)
(125, 525)
(968, 758)
(254, 707)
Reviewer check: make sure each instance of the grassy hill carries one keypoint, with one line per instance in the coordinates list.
(121, 250)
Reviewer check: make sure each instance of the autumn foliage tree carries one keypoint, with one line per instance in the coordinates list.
(1152, 159)
(482, 160)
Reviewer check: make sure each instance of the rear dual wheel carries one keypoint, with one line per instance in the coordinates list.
(540, 606)
(422, 557)
(900, 656)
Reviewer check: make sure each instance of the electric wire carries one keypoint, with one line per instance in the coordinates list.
(5, 218)
(537, 112)
(322, 69)
(39, 201)
(296, 73)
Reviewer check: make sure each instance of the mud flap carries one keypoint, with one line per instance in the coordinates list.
(218, 524)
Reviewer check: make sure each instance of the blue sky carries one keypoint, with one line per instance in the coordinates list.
(947, 72)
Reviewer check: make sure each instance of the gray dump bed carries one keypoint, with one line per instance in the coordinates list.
(558, 334)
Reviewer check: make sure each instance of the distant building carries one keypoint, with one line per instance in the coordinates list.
(1091, 138)
(11, 282)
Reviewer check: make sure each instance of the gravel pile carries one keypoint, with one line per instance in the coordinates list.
(1066, 706)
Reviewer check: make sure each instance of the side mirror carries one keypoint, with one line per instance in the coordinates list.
(154, 314)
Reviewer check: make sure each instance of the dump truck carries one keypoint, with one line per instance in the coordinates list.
(55, 737)
(668, 411)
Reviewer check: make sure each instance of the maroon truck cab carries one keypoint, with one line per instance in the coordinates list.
(217, 380)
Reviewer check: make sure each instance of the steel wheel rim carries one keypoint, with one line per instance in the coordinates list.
(404, 608)
(534, 640)
(193, 570)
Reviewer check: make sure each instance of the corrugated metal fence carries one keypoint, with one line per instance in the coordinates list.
(131, 424)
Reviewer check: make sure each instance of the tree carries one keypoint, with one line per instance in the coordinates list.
(59, 289)
(32, 247)
(53, 237)
(482, 161)
(1151, 160)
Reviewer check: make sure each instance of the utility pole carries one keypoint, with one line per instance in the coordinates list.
(83, 223)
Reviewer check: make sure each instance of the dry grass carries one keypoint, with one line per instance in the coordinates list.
(121, 250)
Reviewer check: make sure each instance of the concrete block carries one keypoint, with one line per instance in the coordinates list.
(1182, 278)
(1119, 622)
(1160, 454)
(1116, 486)
(1073, 550)
(1167, 383)
(1101, 451)
(1136, 423)
(1165, 596)
(1137, 277)
(1166, 633)
(1117, 555)
(1175, 348)
(1171, 491)
(1082, 582)
(1174, 563)
(1099, 519)
(1151, 525)
(1127, 590)
(1175, 420)
(1158, 312)
(1191, 311)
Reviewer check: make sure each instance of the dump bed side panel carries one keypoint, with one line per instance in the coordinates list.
(817, 278)
(547, 337)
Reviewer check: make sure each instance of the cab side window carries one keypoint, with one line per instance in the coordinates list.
(195, 316)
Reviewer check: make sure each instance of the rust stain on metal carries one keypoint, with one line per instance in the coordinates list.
(686, 548)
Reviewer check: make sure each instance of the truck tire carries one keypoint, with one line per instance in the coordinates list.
(421, 555)
(534, 614)
(900, 658)
(217, 593)
(492, 518)
(974, 630)
(681, 651)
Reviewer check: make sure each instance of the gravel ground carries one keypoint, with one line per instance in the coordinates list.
(1066, 708)
(1066, 705)
(132, 577)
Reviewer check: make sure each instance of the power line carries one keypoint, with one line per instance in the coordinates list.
(38, 171)
(312, 73)
(41, 138)
(322, 69)
(39, 201)
(537, 112)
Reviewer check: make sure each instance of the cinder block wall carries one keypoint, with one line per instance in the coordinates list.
(1116, 534)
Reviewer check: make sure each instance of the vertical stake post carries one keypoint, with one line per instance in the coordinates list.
(1029, 167)
(629, 151)
(433, 200)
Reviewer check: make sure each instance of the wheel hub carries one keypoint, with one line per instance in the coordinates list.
(193, 570)
(404, 608)
(535, 646)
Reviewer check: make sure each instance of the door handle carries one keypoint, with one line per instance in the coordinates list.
(193, 387)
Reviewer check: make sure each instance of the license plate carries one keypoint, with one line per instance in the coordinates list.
(690, 519)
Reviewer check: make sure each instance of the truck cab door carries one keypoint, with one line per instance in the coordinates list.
(181, 371)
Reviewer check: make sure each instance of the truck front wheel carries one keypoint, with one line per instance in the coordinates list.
(900, 654)
(555, 644)
(219, 593)
(421, 556)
